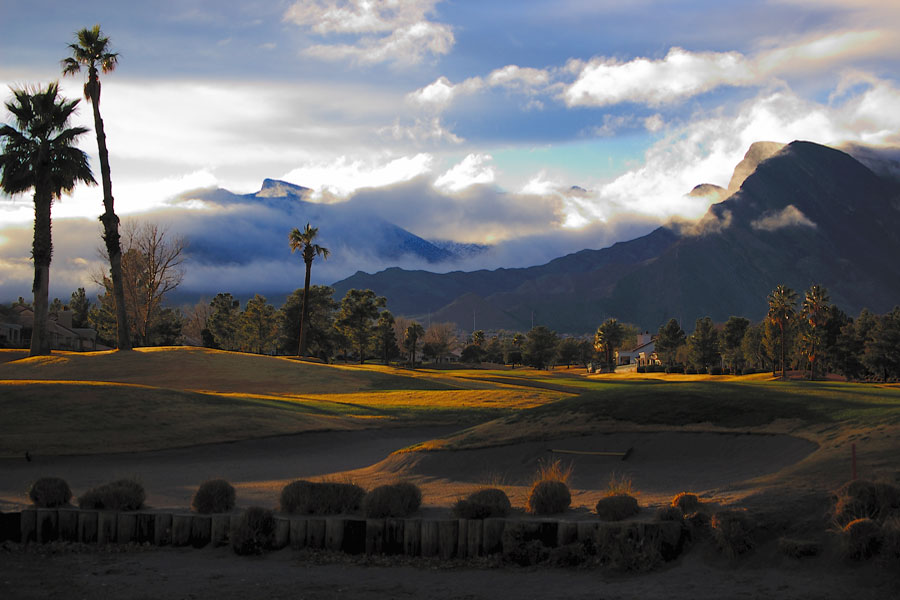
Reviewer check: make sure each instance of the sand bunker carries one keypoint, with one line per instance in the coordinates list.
(659, 463)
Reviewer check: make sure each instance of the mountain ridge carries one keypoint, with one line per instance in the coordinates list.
(805, 214)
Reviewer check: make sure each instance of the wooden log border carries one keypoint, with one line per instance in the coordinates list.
(431, 538)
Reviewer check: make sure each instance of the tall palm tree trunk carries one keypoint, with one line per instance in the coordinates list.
(783, 373)
(42, 251)
(304, 312)
(110, 221)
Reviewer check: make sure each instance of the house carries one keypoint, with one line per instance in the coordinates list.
(62, 335)
(10, 335)
(642, 355)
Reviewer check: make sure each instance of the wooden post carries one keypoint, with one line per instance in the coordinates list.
(282, 533)
(567, 533)
(201, 530)
(475, 530)
(298, 533)
(11, 527)
(430, 538)
(47, 525)
(492, 535)
(412, 537)
(162, 529)
(28, 526)
(374, 536)
(334, 533)
(219, 528)
(315, 534)
(145, 532)
(68, 524)
(462, 540)
(88, 526)
(354, 536)
(106, 526)
(126, 527)
(393, 536)
(448, 536)
(181, 530)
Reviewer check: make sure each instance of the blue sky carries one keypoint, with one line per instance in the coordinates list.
(514, 103)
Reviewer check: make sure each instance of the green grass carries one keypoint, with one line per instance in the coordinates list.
(730, 404)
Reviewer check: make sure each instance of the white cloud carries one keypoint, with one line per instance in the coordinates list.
(520, 78)
(439, 94)
(388, 31)
(421, 132)
(707, 149)
(474, 169)
(654, 123)
(681, 74)
(341, 177)
(789, 216)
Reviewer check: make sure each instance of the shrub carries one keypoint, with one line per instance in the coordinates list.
(570, 555)
(687, 502)
(617, 507)
(861, 538)
(123, 494)
(798, 548)
(321, 498)
(731, 531)
(254, 533)
(213, 496)
(548, 497)
(50, 492)
(860, 499)
(890, 541)
(394, 500)
(669, 513)
(483, 504)
(522, 545)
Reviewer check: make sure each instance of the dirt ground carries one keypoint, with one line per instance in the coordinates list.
(176, 573)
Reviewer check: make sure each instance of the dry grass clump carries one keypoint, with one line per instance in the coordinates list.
(548, 497)
(123, 494)
(798, 548)
(617, 507)
(687, 502)
(50, 492)
(619, 485)
(321, 498)
(483, 504)
(254, 533)
(861, 538)
(669, 513)
(391, 501)
(731, 531)
(860, 499)
(553, 470)
(213, 496)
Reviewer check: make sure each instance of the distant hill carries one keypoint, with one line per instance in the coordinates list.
(797, 215)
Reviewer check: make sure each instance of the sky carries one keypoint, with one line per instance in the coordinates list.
(571, 123)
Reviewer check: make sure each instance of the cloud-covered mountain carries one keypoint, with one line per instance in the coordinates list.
(800, 214)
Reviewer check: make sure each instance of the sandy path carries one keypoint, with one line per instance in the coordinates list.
(253, 466)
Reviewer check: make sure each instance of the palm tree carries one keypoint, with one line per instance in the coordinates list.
(303, 240)
(814, 309)
(39, 152)
(91, 50)
(782, 311)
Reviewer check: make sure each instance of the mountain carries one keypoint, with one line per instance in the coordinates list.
(799, 214)
(280, 206)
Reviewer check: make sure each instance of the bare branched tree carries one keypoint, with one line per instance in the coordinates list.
(151, 268)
